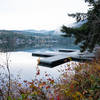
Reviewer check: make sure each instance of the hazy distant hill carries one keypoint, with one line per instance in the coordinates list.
(18, 39)
(38, 32)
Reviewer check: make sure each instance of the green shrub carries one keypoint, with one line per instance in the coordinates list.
(84, 85)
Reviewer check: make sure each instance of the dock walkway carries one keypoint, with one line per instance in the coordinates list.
(54, 59)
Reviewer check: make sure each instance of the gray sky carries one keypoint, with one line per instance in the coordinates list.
(38, 14)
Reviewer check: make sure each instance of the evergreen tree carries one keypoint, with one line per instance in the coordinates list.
(88, 35)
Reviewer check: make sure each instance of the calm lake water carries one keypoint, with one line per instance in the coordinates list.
(24, 64)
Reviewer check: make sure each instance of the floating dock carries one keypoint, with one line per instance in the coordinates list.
(60, 59)
(55, 59)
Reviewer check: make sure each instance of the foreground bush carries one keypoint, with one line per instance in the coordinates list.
(84, 84)
(37, 89)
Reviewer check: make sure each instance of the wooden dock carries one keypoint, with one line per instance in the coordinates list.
(60, 59)
(55, 59)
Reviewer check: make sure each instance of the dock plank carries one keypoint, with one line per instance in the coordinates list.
(54, 61)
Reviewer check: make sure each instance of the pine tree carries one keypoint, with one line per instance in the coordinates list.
(88, 35)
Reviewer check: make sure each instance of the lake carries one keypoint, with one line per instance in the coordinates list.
(24, 64)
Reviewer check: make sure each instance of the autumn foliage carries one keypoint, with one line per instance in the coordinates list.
(84, 84)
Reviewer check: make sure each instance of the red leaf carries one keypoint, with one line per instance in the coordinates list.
(38, 72)
(47, 87)
(58, 98)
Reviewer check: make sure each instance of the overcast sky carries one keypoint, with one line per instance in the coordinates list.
(38, 14)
